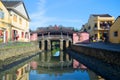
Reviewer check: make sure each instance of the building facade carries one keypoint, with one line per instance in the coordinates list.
(19, 20)
(114, 33)
(33, 36)
(98, 26)
(80, 37)
(4, 24)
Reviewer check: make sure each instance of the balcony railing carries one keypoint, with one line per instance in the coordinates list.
(106, 27)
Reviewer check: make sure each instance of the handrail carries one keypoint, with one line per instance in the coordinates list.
(55, 37)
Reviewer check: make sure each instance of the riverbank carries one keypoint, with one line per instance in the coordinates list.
(13, 52)
(106, 52)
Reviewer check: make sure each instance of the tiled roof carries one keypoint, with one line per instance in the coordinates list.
(55, 29)
(102, 15)
(11, 4)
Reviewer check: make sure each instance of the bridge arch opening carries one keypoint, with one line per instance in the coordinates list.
(46, 45)
(64, 45)
(40, 45)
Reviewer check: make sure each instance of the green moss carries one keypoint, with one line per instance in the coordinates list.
(16, 45)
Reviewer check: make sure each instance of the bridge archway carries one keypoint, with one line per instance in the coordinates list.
(62, 34)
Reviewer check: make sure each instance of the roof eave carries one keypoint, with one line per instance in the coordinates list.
(10, 8)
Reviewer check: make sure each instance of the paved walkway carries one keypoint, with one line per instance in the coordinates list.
(102, 45)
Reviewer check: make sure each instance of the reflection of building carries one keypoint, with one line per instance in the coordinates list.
(4, 24)
(19, 20)
(98, 25)
(80, 37)
(77, 65)
(34, 64)
(21, 73)
(114, 34)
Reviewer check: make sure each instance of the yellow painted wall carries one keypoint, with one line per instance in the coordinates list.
(115, 27)
(20, 27)
(4, 22)
(6, 13)
(91, 22)
(23, 75)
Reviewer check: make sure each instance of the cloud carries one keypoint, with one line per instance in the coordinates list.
(39, 18)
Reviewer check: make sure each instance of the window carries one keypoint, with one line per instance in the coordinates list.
(89, 28)
(95, 26)
(1, 14)
(22, 71)
(15, 18)
(26, 24)
(22, 34)
(20, 20)
(85, 30)
(96, 35)
(115, 33)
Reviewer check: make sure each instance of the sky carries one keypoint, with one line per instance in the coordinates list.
(69, 13)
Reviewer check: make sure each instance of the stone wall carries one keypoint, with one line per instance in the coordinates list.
(17, 52)
(111, 57)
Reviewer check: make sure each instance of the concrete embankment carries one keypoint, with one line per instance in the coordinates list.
(16, 51)
(105, 52)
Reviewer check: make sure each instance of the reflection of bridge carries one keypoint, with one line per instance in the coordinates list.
(48, 35)
(47, 57)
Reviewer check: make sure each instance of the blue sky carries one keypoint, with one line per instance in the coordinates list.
(69, 13)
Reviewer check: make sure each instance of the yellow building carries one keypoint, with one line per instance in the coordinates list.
(98, 25)
(4, 24)
(114, 34)
(19, 20)
(15, 73)
(22, 73)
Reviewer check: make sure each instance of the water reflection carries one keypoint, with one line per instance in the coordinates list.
(61, 67)
(68, 75)
(16, 73)
(77, 65)
(47, 66)
(57, 53)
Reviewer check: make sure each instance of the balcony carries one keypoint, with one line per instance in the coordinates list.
(103, 26)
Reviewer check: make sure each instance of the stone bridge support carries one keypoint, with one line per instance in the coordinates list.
(42, 45)
(42, 56)
(48, 45)
(49, 56)
(67, 43)
(61, 44)
(61, 56)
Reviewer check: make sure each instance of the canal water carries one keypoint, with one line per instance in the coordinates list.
(50, 65)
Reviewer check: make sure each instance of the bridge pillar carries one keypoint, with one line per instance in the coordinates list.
(48, 56)
(43, 45)
(61, 44)
(42, 56)
(61, 56)
(67, 57)
(49, 45)
(67, 43)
